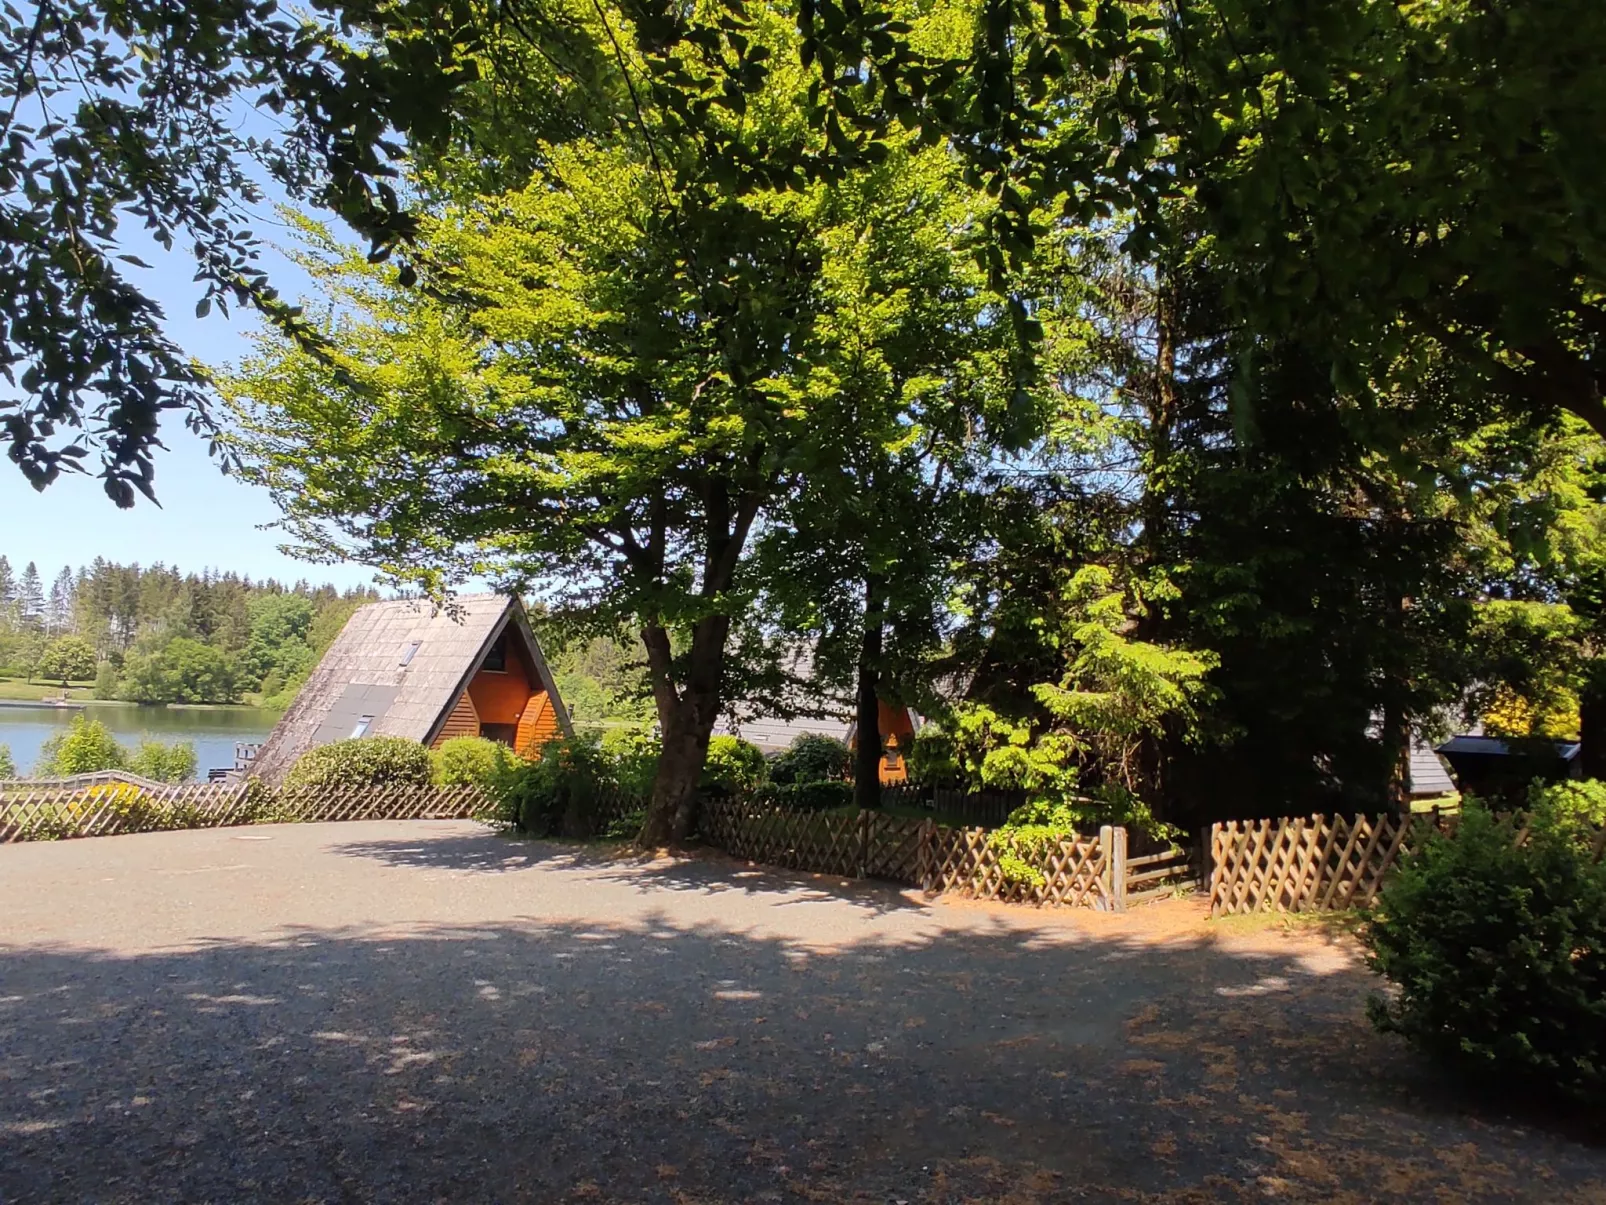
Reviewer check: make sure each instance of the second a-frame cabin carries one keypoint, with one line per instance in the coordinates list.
(410, 669)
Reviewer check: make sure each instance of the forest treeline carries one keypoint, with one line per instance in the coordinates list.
(155, 634)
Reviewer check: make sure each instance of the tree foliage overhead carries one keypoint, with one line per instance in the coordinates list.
(874, 327)
(132, 115)
(1302, 135)
(614, 373)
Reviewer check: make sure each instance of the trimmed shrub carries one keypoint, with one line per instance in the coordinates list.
(1498, 953)
(631, 755)
(734, 765)
(932, 758)
(164, 763)
(8, 768)
(811, 757)
(557, 794)
(807, 796)
(365, 761)
(84, 748)
(473, 761)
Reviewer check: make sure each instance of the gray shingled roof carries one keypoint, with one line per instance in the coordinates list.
(362, 673)
(772, 733)
(1428, 775)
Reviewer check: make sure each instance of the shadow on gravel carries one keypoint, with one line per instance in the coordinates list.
(671, 1064)
(710, 872)
(714, 873)
(491, 852)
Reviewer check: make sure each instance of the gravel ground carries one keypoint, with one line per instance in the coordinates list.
(427, 1012)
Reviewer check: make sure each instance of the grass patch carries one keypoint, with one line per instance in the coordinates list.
(1445, 803)
(23, 691)
(1349, 921)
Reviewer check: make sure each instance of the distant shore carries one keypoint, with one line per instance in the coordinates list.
(18, 693)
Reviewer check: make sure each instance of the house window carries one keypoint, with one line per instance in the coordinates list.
(409, 653)
(496, 657)
(502, 734)
(364, 723)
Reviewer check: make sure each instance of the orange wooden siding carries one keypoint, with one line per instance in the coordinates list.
(463, 721)
(500, 698)
(511, 698)
(897, 734)
(537, 725)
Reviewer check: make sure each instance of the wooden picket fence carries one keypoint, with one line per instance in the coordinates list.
(852, 844)
(1319, 863)
(31, 811)
(1086, 872)
(1089, 872)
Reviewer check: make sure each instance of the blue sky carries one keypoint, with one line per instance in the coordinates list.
(205, 520)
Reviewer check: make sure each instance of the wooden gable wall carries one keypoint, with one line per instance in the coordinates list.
(463, 721)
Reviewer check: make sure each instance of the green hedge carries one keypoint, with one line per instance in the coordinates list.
(366, 761)
(1497, 952)
(811, 758)
(806, 796)
(473, 761)
(734, 765)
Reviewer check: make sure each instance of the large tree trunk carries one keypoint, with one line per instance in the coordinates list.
(686, 716)
(1397, 744)
(867, 747)
(673, 806)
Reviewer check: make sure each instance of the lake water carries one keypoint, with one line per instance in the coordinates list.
(212, 732)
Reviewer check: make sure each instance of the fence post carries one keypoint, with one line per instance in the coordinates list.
(1112, 839)
(924, 858)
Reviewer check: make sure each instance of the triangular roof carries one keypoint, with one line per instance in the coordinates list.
(374, 666)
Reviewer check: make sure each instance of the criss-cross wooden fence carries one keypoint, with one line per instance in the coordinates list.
(852, 844)
(32, 811)
(1086, 871)
(1318, 863)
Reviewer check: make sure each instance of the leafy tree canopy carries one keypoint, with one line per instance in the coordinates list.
(613, 374)
(72, 658)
